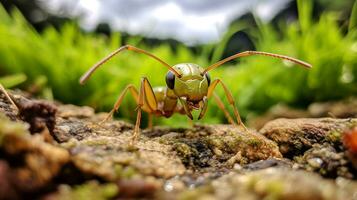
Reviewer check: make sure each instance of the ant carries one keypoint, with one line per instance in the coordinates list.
(187, 83)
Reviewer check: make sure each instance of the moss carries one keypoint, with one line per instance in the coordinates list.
(274, 190)
(233, 142)
(128, 172)
(323, 171)
(333, 136)
(352, 124)
(183, 149)
(9, 127)
(92, 190)
(118, 170)
(198, 193)
(254, 142)
(124, 172)
(252, 182)
(215, 143)
(70, 144)
(163, 140)
(96, 142)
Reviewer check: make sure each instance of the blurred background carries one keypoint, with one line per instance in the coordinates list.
(46, 45)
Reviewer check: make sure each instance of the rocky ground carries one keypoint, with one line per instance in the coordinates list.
(54, 151)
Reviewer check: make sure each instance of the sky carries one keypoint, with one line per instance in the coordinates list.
(189, 21)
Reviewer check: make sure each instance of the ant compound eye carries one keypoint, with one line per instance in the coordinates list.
(208, 78)
(170, 80)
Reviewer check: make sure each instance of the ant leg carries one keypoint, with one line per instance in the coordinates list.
(190, 122)
(229, 97)
(134, 93)
(222, 107)
(137, 126)
(150, 118)
(183, 102)
(204, 107)
(117, 104)
(8, 96)
(146, 98)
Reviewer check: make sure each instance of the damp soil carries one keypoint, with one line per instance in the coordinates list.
(53, 151)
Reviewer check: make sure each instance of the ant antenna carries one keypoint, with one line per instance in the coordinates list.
(86, 76)
(250, 53)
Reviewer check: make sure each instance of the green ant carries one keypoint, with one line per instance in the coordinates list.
(187, 83)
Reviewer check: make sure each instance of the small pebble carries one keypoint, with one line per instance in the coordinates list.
(237, 166)
(315, 162)
(168, 187)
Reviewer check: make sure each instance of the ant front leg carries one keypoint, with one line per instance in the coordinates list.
(230, 100)
(134, 93)
(146, 101)
(183, 102)
(223, 108)
(204, 107)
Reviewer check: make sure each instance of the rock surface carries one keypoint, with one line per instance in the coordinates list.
(274, 183)
(346, 108)
(73, 156)
(295, 136)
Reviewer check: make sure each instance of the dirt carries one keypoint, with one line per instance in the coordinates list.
(54, 151)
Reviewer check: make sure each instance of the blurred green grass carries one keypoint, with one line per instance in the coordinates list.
(52, 62)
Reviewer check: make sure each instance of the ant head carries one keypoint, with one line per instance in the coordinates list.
(193, 82)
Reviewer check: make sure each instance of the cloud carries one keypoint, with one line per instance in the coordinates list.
(198, 21)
